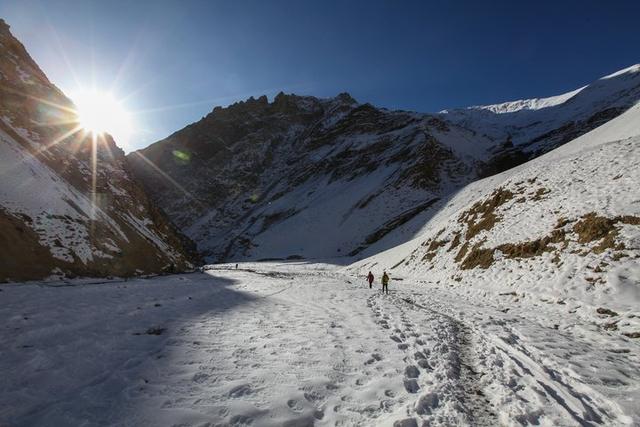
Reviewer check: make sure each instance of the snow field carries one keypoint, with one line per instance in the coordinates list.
(297, 344)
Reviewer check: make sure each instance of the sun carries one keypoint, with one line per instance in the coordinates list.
(100, 112)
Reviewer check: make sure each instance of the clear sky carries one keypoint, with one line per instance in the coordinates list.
(173, 61)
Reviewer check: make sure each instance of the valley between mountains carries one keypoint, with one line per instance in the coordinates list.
(217, 277)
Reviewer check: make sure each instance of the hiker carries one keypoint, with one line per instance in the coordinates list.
(385, 283)
(370, 279)
(236, 266)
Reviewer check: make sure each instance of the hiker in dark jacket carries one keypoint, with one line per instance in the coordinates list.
(385, 282)
(370, 279)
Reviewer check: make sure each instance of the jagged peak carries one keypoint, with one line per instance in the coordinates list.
(285, 101)
(281, 102)
(346, 98)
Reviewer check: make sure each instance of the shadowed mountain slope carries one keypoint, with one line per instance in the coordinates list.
(324, 178)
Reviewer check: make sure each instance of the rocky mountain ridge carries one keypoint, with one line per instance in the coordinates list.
(255, 166)
(262, 180)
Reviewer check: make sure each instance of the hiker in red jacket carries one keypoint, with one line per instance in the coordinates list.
(370, 279)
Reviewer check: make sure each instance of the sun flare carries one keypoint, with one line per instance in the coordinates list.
(99, 113)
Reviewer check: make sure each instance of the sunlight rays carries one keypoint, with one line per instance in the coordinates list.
(84, 126)
(94, 175)
(94, 110)
(166, 176)
(99, 113)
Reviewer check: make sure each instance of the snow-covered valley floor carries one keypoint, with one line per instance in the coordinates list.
(300, 344)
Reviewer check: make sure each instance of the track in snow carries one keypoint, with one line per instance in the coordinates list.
(440, 366)
(272, 346)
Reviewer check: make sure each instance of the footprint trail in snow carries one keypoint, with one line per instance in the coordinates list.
(273, 345)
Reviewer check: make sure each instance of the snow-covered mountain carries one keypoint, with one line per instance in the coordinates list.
(514, 298)
(322, 178)
(302, 176)
(562, 229)
(543, 260)
(56, 215)
(531, 127)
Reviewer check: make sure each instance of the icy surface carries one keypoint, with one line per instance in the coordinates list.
(298, 344)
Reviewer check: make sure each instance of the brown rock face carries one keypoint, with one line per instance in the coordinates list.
(228, 180)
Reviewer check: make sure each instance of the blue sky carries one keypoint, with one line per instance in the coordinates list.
(173, 61)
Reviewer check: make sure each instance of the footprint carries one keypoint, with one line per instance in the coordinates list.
(240, 420)
(294, 405)
(395, 338)
(389, 393)
(423, 363)
(200, 377)
(386, 405)
(411, 385)
(384, 324)
(407, 422)
(412, 371)
(427, 403)
(313, 396)
(403, 346)
(241, 390)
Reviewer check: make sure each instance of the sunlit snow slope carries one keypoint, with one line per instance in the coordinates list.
(563, 229)
(61, 212)
(543, 259)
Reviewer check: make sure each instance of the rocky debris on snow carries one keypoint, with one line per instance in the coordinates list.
(562, 229)
(482, 217)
